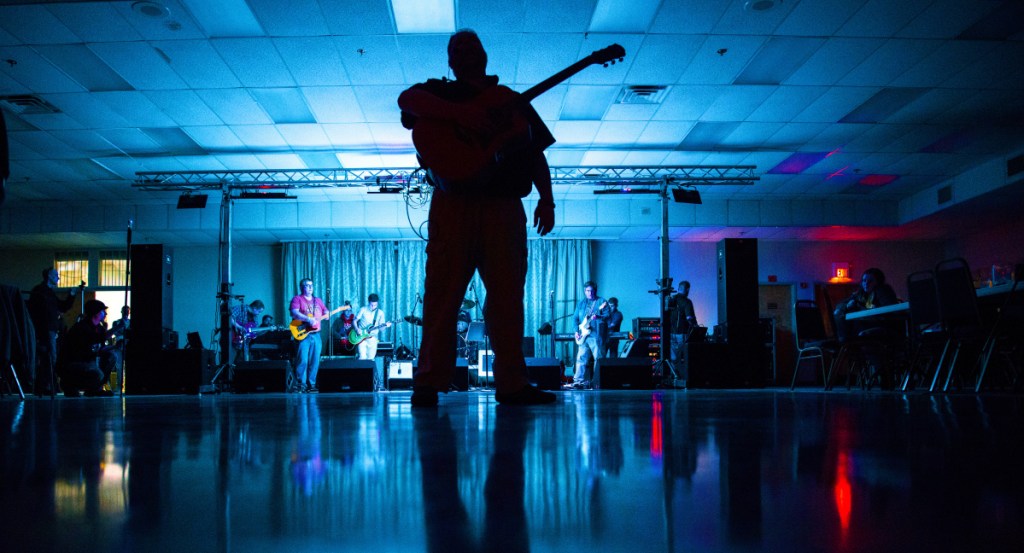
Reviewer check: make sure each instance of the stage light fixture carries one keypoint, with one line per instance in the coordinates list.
(264, 196)
(626, 190)
(192, 201)
(386, 190)
(686, 195)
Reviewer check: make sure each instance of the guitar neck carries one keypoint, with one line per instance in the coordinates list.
(552, 81)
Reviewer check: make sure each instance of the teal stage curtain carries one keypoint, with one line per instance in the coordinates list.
(394, 270)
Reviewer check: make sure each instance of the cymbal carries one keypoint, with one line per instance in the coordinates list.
(468, 304)
(413, 319)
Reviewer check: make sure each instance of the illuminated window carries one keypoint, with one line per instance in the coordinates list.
(73, 267)
(112, 266)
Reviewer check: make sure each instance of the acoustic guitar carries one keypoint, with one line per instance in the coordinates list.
(457, 155)
(301, 329)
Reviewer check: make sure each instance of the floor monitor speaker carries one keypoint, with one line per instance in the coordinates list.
(460, 382)
(545, 372)
(346, 375)
(158, 371)
(724, 365)
(261, 376)
(623, 373)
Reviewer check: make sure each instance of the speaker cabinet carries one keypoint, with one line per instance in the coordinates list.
(346, 375)
(545, 372)
(151, 298)
(460, 381)
(623, 373)
(724, 365)
(180, 371)
(738, 309)
(261, 376)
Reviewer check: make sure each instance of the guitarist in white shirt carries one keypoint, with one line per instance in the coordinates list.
(591, 331)
(368, 317)
(310, 310)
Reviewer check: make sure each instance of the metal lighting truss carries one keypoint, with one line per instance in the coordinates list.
(268, 179)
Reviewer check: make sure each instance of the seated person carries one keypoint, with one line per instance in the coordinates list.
(84, 364)
(873, 292)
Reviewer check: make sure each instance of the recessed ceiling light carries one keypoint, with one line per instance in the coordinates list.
(155, 10)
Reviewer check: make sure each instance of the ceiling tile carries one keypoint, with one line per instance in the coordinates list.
(34, 24)
(94, 21)
(34, 72)
(371, 60)
(357, 17)
(833, 60)
(254, 61)
(720, 59)
(198, 63)
(139, 64)
(185, 107)
(292, 18)
(312, 61)
(334, 104)
(234, 106)
(661, 59)
(882, 18)
(570, 16)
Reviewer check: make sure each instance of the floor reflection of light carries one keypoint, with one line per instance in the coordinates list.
(843, 492)
(656, 430)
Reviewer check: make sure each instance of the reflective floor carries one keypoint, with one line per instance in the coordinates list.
(597, 471)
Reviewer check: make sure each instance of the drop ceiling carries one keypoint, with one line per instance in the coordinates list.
(916, 92)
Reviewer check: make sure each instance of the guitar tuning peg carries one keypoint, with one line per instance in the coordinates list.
(604, 64)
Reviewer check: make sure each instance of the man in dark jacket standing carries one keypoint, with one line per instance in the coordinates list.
(46, 310)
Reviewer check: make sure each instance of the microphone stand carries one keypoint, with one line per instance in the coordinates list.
(330, 328)
(127, 281)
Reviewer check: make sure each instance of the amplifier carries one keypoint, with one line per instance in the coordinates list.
(545, 372)
(460, 381)
(647, 327)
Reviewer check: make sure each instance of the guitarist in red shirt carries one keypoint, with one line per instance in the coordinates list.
(309, 311)
(477, 221)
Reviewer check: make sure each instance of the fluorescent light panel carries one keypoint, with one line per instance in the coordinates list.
(798, 163)
(623, 16)
(225, 18)
(424, 16)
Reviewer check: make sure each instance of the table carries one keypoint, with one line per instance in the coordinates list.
(901, 309)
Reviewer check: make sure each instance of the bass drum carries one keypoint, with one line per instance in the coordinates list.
(463, 323)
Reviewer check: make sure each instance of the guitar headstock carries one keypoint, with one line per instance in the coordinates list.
(608, 55)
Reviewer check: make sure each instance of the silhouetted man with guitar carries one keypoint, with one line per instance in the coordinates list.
(482, 145)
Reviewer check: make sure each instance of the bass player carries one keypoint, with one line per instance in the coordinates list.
(243, 326)
(591, 332)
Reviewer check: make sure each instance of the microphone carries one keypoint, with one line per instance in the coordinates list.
(418, 298)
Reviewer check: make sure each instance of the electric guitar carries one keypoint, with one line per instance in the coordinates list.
(301, 329)
(457, 155)
(251, 331)
(584, 330)
(355, 337)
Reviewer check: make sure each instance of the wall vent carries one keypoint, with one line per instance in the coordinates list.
(945, 194)
(27, 104)
(642, 94)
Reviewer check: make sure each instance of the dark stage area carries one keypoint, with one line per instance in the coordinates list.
(640, 471)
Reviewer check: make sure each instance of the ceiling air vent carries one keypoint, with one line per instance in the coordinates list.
(26, 104)
(642, 94)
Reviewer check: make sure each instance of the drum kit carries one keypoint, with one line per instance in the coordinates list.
(465, 346)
